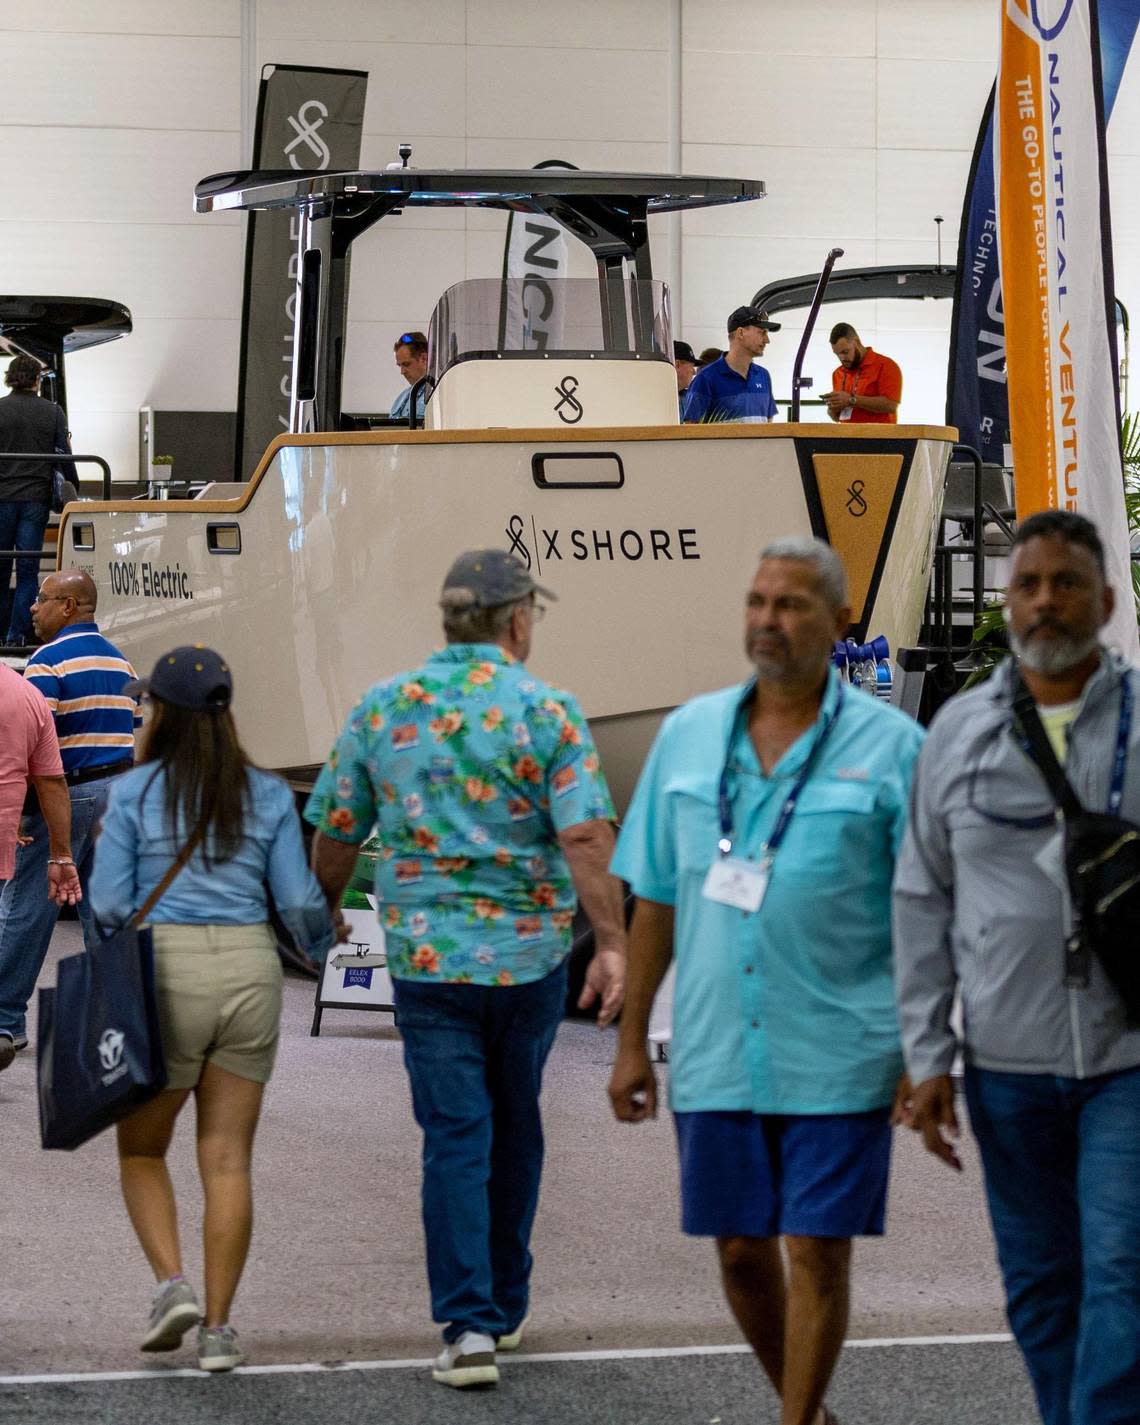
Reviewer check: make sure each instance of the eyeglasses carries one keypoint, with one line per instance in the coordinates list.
(49, 598)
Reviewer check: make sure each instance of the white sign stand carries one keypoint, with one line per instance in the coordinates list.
(356, 975)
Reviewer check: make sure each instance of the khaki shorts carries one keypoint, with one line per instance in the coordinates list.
(219, 1000)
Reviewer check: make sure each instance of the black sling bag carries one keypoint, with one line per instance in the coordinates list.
(1102, 866)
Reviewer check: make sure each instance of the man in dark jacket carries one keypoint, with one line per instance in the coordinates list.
(29, 425)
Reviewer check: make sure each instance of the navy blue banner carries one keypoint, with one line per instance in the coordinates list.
(976, 397)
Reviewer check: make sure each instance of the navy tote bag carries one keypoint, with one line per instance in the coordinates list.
(98, 1047)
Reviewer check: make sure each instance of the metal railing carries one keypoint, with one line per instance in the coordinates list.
(56, 458)
(939, 630)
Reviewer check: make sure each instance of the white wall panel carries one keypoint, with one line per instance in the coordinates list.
(566, 93)
(815, 191)
(175, 271)
(150, 82)
(113, 175)
(129, 17)
(912, 187)
(580, 24)
(350, 23)
(771, 27)
(931, 104)
(722, 273)
(795, 102)
(399, 273)
(420, 86)
(1124, 126)
(180, 365)
(929, 29)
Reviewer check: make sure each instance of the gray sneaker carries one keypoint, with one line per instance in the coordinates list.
(174, 1311)
(218, 1349)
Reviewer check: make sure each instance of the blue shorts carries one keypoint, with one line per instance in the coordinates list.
(800, 1175)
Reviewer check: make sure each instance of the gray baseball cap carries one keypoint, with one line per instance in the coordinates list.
(491, 578)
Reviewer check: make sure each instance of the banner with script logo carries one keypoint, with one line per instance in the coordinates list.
(531, 316)
(306, 119)
(976, 400)
(1057, 290)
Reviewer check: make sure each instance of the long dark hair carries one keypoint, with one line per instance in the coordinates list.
(207, 773)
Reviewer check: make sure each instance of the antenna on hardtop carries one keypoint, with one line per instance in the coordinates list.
(405, 152)
(938, 230)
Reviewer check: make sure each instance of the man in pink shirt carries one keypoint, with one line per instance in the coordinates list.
(29, 751)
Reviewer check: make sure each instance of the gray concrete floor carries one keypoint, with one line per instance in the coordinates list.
(336, 1271)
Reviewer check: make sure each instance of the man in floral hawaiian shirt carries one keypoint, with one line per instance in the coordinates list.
(490, 811)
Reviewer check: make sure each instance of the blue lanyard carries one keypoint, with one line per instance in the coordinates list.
(1123, 732)
(724, 797)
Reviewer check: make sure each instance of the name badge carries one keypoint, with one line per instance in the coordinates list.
(735, 882)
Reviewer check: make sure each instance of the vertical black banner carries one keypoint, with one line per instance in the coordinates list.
(307, 119)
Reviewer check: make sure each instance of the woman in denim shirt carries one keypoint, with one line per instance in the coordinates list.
(217, 972)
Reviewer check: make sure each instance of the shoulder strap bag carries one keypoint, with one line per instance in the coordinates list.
(98, 1046)
(1102, 859)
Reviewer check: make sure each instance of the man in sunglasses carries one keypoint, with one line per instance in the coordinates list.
(411, 350)
(491, 812)
(983, 915)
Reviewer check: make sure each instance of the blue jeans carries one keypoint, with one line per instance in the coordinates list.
(475, 1055)
(22, 525)
(27, 917)
(1062, 1166)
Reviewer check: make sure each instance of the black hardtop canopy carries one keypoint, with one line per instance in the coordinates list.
(50, 328)
(528, 189)
(50, 324)
(607, 211)
(858, 284)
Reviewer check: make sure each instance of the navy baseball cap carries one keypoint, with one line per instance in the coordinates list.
(193, 676)
(682, 351)
(489, 578)
(751, 317)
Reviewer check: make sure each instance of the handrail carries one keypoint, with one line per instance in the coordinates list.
(58, 456)
(809, 325)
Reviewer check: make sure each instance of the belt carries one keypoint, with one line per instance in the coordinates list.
(96, 774)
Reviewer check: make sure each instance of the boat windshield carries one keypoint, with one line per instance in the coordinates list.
(490, 318)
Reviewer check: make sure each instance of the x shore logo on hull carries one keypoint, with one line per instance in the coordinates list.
(532, 541)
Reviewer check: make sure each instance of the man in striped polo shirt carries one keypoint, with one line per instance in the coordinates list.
(82, 676)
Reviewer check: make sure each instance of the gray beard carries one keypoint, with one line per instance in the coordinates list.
(1052, 655)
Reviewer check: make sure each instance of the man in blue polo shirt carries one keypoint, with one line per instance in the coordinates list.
(761, 843)
(735, 388)
(82, 676)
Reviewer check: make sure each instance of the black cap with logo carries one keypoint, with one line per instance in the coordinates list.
(751, 317)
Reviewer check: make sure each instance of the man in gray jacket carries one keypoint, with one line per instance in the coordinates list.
(982, 910)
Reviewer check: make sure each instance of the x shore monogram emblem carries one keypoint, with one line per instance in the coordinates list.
(110, 1048)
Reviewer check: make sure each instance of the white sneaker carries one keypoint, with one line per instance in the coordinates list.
(467, 1362)
(513, 1339)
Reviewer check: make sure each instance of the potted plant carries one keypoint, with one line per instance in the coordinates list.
(162, 469)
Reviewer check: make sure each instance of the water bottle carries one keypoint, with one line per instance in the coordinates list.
(868, 674)
(884, 679)
(854, 663)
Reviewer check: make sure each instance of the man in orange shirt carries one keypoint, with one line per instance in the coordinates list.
(867, 387)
